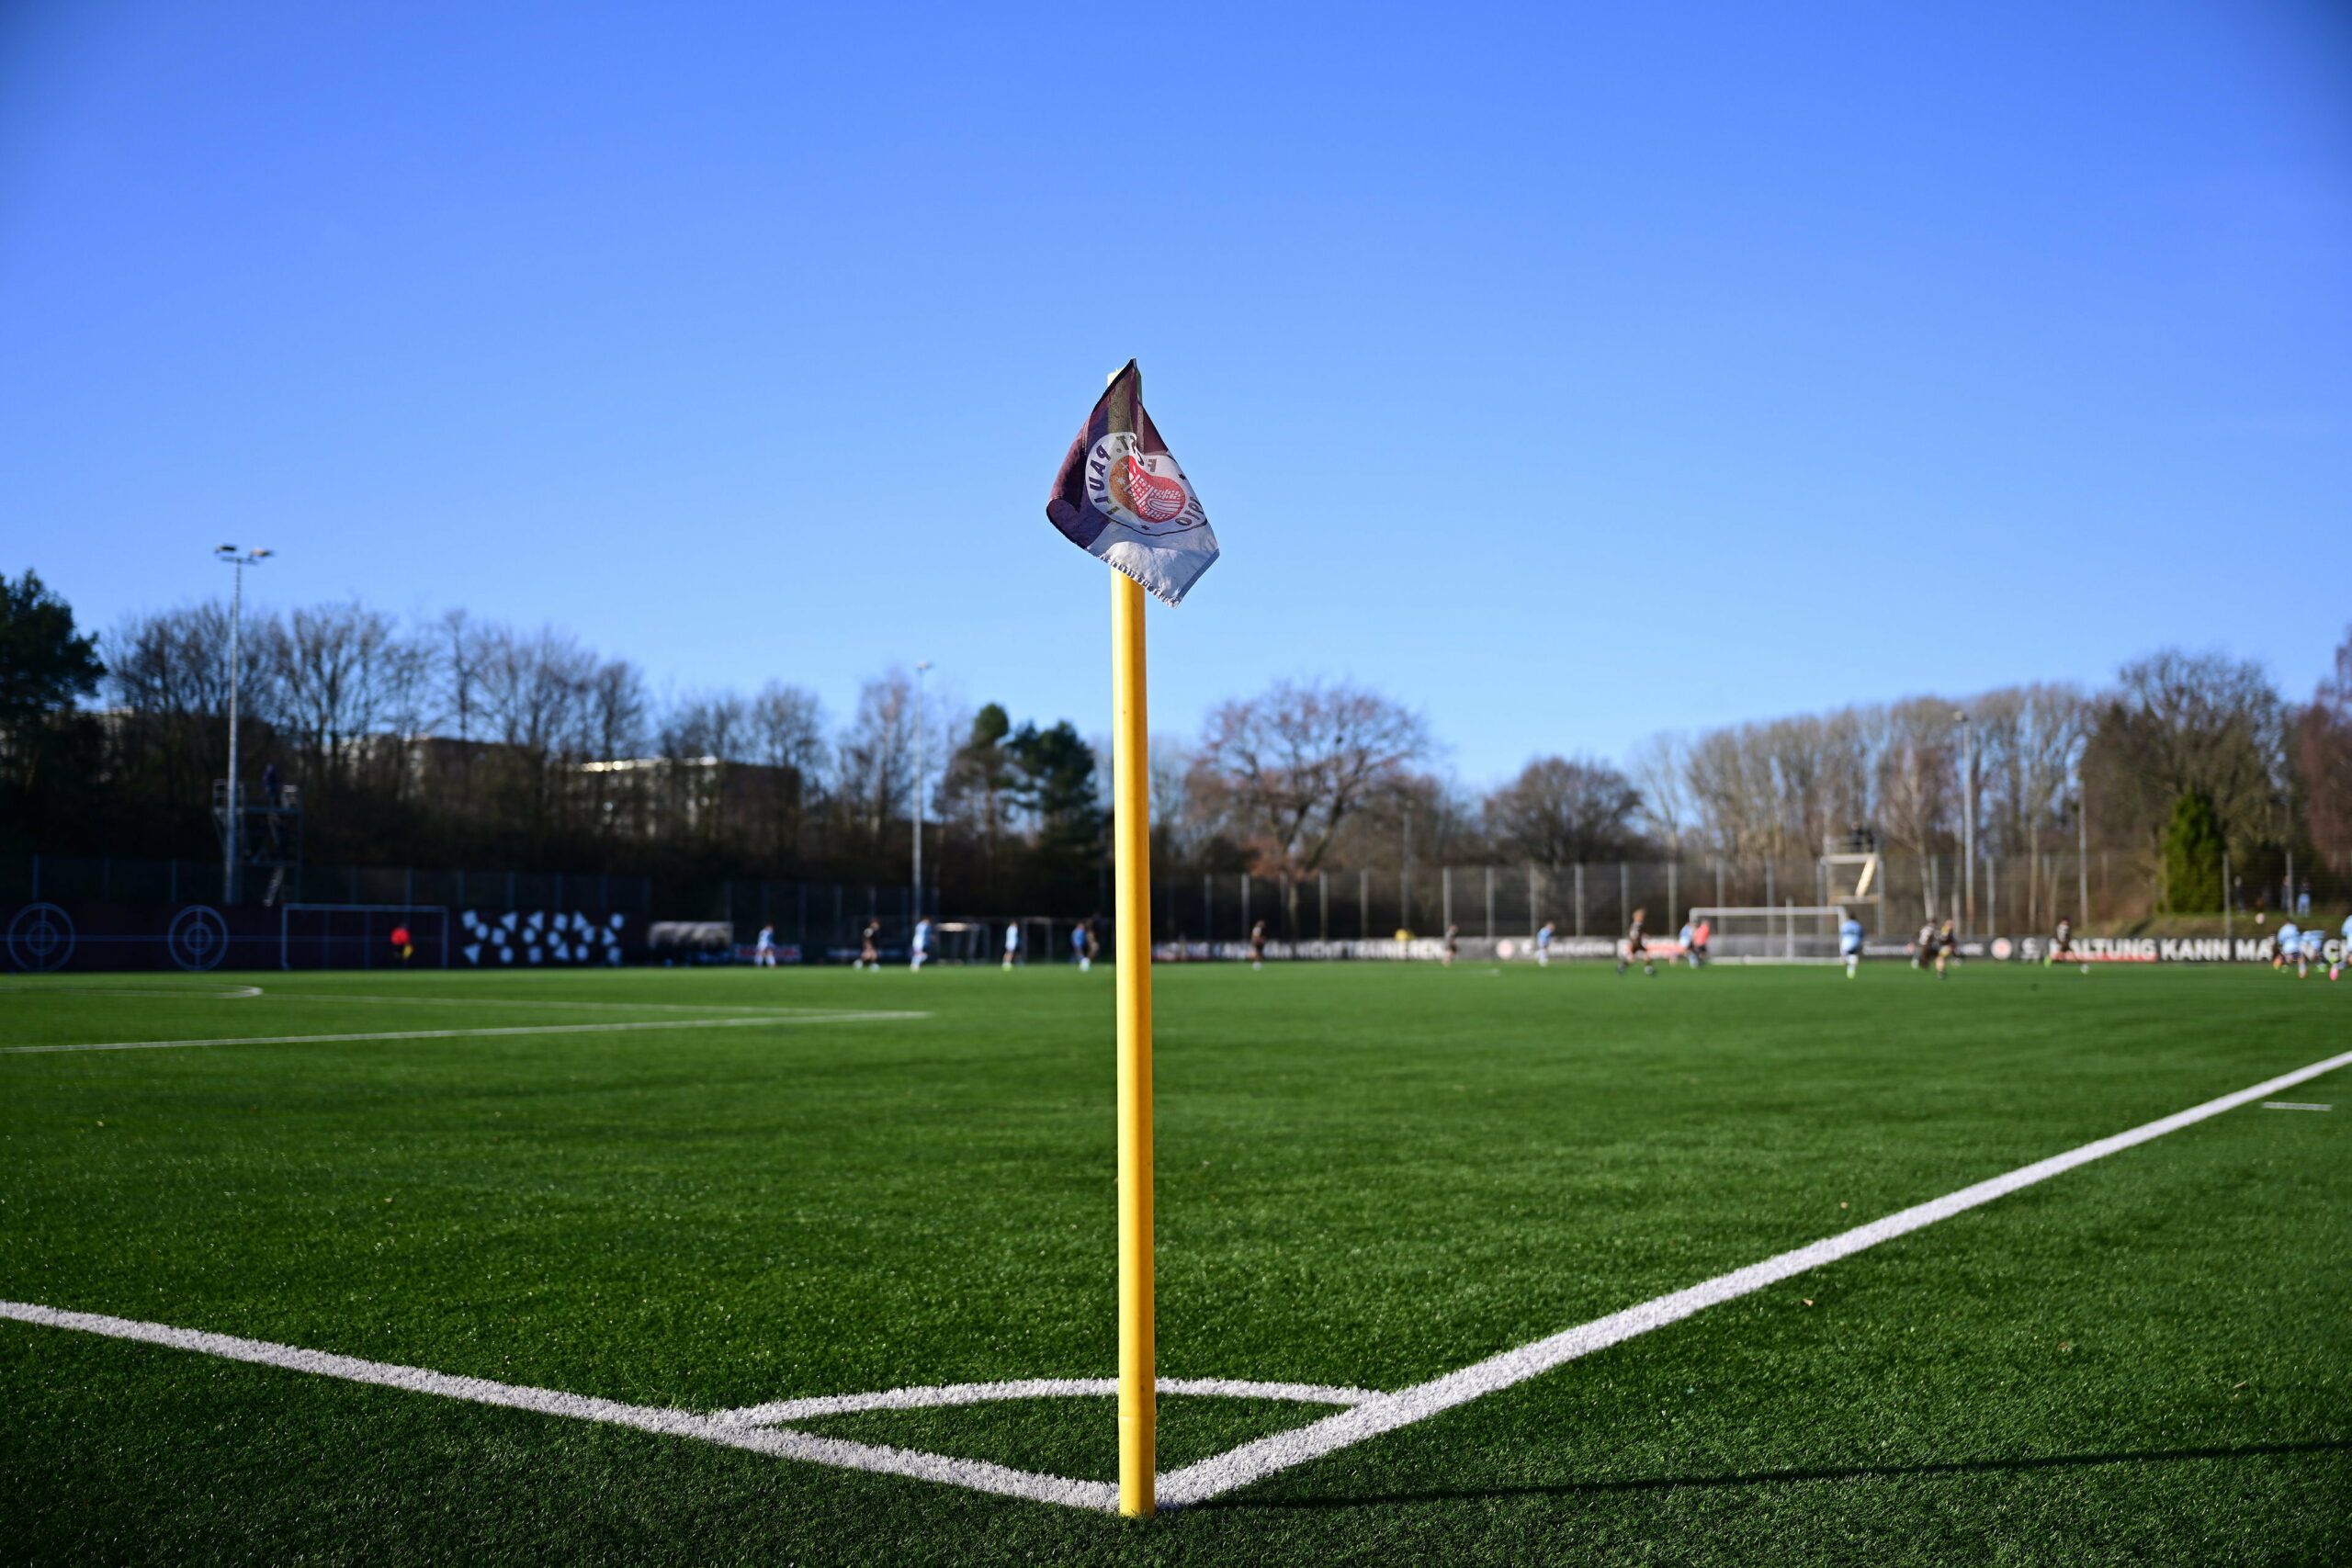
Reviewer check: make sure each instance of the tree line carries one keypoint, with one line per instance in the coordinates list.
(458, 740)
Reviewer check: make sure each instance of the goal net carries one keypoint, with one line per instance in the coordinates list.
(359, 936)
(1762, 933)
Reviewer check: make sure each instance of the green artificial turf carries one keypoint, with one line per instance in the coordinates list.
(1369, 1175)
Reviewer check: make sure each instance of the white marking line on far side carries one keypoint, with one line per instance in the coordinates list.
(2290, 1105)
(975, 1475)
(1237, 1467)
(539, 1003)
(459, 1033)
(1255, 1461)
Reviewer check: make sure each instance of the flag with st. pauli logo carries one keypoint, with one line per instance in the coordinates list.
(1121, 498)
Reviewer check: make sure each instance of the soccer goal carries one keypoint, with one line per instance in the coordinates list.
(1762, 933)
(359, 936)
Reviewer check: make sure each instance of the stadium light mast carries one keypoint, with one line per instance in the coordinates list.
(230, 554)
(1967, 822)
(921, 666)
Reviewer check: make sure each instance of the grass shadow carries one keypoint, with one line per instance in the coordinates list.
(1785, 1477)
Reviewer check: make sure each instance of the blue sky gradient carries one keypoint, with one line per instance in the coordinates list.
(1573, 373)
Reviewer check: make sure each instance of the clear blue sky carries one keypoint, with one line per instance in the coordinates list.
(1571, 371)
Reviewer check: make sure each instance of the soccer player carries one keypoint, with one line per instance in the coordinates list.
(1850, 943)
(1636, 946)
(1923, 946)
(1699, 942)
(1078, 946)
(2343, 951)
(1257, 945)
(1011, 942)
(919, 948)
(1544, 945)
(1688, 937)
(2062, 945)
(2313, 939)
(763, 950)
(2285, 945)
(1947, 939)
(869, 956)
(401, 945)
(1452, 945)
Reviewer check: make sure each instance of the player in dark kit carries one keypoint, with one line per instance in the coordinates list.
(1257, 945)
(1636, 946)
(2062, 944)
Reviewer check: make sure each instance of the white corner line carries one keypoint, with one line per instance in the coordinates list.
(947, 1394)
(466, 1033)
(1255, 1461)
(1238, 1467)
(2290, 1105)
(975, 1475)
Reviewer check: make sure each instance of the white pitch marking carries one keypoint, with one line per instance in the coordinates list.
(2289, 1105)
(234, 994)
(463, 1034)
(976, 1474)
(1027, 1388)
(1235, 1468)
(1256, 1461)
(514, 1002)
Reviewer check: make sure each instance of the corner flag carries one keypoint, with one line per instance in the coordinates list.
(1121, 498)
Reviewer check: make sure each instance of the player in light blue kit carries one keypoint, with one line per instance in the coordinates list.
(2315, 940)
(2343, 951)
(1544, 944)
(2286, 946)
(1850, 943)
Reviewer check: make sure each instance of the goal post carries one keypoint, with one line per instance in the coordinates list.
(1768, 933)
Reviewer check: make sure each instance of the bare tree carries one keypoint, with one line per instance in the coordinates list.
(787, 726)
(1559, 811)
(2180, 722)
(713, 723)
(877, 754)
(1297, 761)
(344, 674)
(2323, 760)
(1660, 769)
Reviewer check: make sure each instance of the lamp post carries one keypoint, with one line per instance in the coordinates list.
(230, 554)
(2082, 848)
(920, 667)
(1967, 822)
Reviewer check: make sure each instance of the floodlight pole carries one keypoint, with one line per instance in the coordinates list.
(2082, 848)
(1968, 822)
(239, 559)
(919, 668)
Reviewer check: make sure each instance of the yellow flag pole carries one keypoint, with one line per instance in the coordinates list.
(1131, 803)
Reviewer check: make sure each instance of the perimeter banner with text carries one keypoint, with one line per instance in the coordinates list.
(1121, 498)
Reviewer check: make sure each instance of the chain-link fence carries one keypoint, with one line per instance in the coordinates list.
(2000, 893)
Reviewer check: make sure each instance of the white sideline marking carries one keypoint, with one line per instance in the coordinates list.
(2289, 1105)
(1027, 1388)
(978, 1474)
(462, 1033)
(234, 994)
(1252, 1461)
(1255, 1461)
